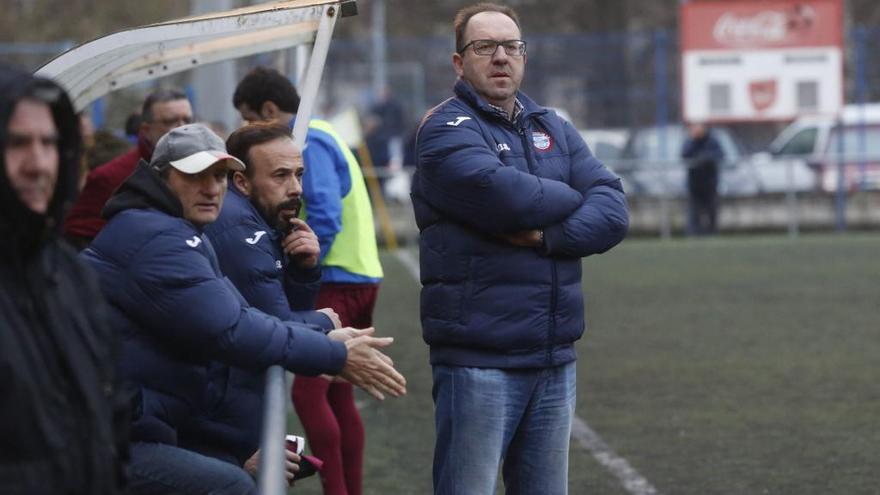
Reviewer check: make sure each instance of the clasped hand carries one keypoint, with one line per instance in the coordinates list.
(366, 366)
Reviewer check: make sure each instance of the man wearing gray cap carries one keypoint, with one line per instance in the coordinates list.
(177, 314)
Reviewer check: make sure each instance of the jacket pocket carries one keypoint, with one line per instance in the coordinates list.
(443, 301)
(445, 278)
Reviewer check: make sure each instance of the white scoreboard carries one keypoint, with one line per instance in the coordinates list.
(754, 60)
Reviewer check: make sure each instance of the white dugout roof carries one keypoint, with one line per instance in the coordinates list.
(96, 68)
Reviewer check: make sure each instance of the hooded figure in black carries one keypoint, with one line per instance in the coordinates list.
(58, 404)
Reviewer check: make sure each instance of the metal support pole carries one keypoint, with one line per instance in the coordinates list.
(302, 61)
(860, 41)
(791, 202)
(841, 195)
(661, 91)
(380, 48)
(309, 89)
(271, 478)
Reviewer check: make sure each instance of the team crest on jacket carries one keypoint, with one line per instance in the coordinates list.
(542, 141)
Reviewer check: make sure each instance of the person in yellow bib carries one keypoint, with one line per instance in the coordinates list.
(337, 208)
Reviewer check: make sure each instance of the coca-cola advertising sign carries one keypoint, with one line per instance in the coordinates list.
(764, 28)
(761, 60)
(760, 24)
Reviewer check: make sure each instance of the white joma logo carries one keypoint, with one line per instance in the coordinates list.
(256, 238)
(457, 121)
(194, 242)
(503, 147)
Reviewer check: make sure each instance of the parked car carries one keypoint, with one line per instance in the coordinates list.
(651, 164)
(606, 144)
(820, 142)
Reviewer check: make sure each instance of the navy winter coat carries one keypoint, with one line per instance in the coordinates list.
(250, 254)
(177, 313)
(703, 157)
(486, 303)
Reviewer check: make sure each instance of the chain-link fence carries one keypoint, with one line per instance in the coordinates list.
(623, 90)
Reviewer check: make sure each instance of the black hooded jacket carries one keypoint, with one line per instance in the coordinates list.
(57, 393)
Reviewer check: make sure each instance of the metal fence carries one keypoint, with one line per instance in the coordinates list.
(835, 195)
(622, 81)
(629, 81)
(603, 80)
(600, 80)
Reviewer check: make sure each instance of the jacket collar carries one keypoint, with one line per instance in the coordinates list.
(517, 110)
(247, 210)
(143, 189)
(466, 92)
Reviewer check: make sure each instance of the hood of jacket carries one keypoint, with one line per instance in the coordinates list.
(23, 230)
(143, 189)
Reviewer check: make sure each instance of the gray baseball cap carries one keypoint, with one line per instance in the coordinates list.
(191, 149)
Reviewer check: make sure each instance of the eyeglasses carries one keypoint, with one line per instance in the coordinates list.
(513, 48)
(174, 121)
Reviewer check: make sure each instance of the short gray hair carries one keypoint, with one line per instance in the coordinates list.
(159, 96)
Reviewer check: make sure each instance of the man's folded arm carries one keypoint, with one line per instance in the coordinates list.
(463, 178)
(602, 219)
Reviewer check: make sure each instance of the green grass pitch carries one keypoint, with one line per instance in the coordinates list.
(747, 365)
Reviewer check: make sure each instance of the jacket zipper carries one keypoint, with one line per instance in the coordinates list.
(554, 289)
(527, 150)
(553, 301)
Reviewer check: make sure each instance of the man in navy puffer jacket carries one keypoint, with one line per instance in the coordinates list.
(177, 314)
(508, 199)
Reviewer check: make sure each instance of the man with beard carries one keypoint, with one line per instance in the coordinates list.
(337, 207)
(271, 256)
(57, 392)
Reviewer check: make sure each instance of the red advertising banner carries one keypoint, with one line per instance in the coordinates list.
(756, 24)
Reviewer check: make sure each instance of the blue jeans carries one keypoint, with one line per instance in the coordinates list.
(165, 469)
(485, 416)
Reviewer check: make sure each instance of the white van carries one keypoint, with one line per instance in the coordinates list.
(815, 141)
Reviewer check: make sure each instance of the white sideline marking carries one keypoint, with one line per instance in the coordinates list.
(632, 481)
(410, 262)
